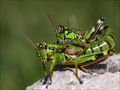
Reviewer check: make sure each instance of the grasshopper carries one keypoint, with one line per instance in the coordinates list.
(97, 50)
(99, 47)
(68, 35)
(64, 34)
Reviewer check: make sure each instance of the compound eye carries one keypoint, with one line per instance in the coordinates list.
(41, 45)
(60, 28)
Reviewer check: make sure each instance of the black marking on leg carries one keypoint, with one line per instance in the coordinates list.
(92, 50)
(100, 48)
(108, 43)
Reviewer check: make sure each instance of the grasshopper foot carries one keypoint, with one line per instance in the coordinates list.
(49, 83)
(47, 86)
(80, 81)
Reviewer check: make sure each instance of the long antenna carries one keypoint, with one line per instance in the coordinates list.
(50, 21)
(29, 40)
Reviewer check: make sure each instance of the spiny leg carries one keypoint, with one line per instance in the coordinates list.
(103, 27)
(76, 69)
(92, 33)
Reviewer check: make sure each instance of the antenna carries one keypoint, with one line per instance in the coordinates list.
(29, 40)
(50, 21)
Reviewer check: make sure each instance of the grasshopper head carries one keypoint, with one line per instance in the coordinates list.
(60, 33)
(41, 45)
(40, 48)
(41, 51)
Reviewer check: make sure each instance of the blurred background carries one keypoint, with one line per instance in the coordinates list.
(19, 66)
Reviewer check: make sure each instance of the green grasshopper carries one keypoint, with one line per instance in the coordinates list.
(68, 35)
(98, 50)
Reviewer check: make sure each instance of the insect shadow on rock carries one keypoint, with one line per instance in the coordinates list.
(61, 68)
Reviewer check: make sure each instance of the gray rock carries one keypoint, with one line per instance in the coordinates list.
(111, 64)
(102, 78)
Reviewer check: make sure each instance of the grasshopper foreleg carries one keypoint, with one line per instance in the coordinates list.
(52, 65)
(44, 68)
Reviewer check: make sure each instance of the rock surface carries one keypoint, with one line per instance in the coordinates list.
(105, 77)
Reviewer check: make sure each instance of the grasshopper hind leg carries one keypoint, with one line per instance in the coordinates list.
(85, 70)
(83, 44)
(98, 59)
(52, 65)
(76, 74)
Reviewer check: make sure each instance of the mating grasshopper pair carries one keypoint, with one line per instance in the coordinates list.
(80, 50)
